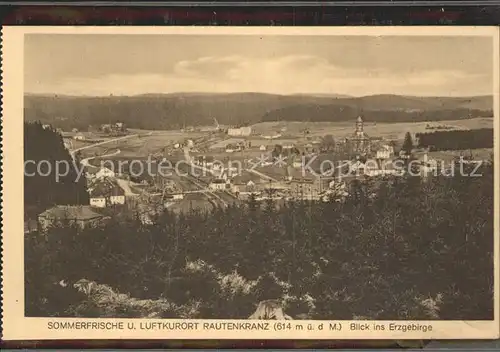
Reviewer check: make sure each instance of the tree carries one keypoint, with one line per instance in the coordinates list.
(328, 143)
(277, 151)
(408, 144)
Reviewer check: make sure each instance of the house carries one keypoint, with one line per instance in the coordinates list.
(230, 148)
(246, 131)
(262, 148)
(379, 168)
(106, 128)
(113, 128)
(385, 152)
(219, 184)
(241, 131)
(243, 187)
(307, 187)
(79, 137)
(68, 145)
(297, 162)
(104, 173)
(244, 183)
(234, 132)
(82, 216)
(106, 193)
(206, 161)
(174, 196)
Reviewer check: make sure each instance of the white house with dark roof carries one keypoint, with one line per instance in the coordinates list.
(244, 183)
(219, 184)
(105, 193)
(385, 152)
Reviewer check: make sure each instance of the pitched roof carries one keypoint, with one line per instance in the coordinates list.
(71, 212)
(244, 178)
(91, 169)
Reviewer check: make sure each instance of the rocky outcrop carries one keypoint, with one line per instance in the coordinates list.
(113, 304)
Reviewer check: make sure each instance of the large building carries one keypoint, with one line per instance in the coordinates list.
(81, 216)
(241, 131)
(360, 142)
(308, 187)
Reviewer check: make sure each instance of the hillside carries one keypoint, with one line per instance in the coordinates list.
(157, 111)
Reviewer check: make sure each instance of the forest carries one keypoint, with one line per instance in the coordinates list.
(403, 248)
(456, 140)
(43, 150)
(174, 111)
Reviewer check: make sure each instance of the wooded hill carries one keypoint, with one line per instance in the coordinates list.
(167, 111)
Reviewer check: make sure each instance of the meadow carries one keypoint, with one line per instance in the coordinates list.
(373, 129)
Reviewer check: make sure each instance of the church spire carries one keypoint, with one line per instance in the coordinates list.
(359, 126)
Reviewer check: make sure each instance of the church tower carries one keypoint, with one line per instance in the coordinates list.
(359, 127)
(360, 140)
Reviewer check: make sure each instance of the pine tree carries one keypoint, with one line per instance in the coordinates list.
(408, 144)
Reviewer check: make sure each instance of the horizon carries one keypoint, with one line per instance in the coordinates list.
(318, 95)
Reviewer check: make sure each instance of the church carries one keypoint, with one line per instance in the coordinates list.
(359, 142)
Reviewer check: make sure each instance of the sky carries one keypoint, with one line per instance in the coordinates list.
(100, 65)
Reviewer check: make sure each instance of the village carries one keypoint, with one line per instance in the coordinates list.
(227, 166)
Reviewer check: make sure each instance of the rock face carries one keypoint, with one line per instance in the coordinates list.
(270, 310)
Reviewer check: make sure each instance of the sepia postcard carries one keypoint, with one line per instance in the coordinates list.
(250, 183)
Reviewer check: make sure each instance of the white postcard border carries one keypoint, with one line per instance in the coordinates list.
(18, 327)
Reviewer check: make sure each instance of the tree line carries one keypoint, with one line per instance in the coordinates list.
(380, 254)
(337, 113)
(176, 111)
(456, 140)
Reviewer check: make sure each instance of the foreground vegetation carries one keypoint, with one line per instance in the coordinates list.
(399, 249)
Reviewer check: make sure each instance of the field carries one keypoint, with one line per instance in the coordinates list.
(345, 129)
(151, 142)
(142, 145)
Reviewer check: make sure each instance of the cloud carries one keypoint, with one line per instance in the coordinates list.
(282, 75)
